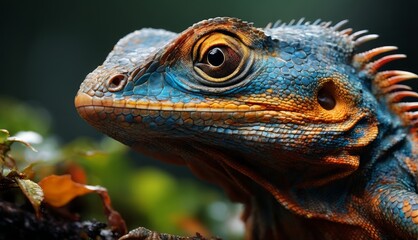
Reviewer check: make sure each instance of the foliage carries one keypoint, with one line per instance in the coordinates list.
(54, 190)
(10, 176)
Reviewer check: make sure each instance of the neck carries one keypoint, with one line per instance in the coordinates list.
(330, 204)
(275, 207)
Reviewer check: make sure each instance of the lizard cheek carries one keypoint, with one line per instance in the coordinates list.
(116, 82)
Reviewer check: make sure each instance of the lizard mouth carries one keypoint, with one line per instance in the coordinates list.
(85, 106)
(82, 99)
(158, 117)
(247, 112)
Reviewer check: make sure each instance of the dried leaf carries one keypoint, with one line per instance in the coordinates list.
(59, 190)
(114, 219)
(32, 191)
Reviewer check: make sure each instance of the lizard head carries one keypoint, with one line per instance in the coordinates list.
(293, 97)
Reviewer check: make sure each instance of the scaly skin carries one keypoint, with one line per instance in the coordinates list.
(290, 120)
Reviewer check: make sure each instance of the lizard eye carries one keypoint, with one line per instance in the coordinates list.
(220, 59)
(219, 62)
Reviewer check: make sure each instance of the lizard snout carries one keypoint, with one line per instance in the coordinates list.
(82, 99)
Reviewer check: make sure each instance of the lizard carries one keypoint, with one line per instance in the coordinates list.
(291, 120)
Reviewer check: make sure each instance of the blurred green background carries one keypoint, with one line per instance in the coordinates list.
(48, 47)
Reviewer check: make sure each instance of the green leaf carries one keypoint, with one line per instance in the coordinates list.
(4, 135)
(33, 192)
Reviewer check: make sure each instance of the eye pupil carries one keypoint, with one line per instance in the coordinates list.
(215, 57)
(326, 99)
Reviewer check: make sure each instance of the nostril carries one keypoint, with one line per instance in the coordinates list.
(116, 82)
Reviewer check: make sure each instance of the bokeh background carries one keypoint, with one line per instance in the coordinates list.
(47, 47)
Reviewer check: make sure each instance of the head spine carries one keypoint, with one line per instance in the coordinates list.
(385, 84)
